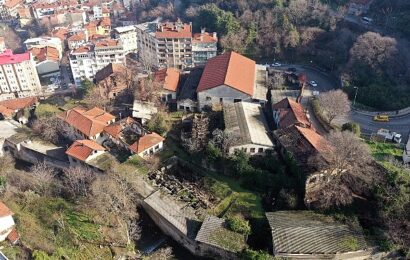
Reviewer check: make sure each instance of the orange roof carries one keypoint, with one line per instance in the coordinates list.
(13, 236)
(12, 3)
(145, 142)
(45, 53)
(290, 113)
(231, 69)
(24, 12)
(6, 112)
(89, 122)
(77, 37)
(19, 103)
(60, 33)
(105, 10)
(82, 149)
(4, 210)
(315, 139)
(107, 43)
(84, 49)
(174, 30)
(169, 77)
(204, 37)
(116, 128)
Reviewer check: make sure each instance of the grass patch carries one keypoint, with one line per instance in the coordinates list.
(136, 163)
(228, 239)
(233, 198)
(46, 110)
(380, 151)
(56, 227)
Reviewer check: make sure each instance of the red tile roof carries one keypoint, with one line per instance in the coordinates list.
(290, 113)
(204, 37)
(174, 30)
(116, 128)
(169, 77)
(316, 140)
(4, 210)
(7, 57)
(84, 49)
(89, 122)
(13, 236)
(19, 103)
(231, 69)
(145, 142)
(82, 149)
(12, 3)
(45, 53)
(77, 37)
(107, 43)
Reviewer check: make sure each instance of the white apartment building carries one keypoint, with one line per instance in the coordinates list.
(204, 47)
(18, 76)
(171, 44)
(128, 37)
(40, 42)
(87, 60)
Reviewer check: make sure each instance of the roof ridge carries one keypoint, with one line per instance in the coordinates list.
(227, 67)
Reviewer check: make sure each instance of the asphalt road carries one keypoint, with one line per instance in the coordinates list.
(399, 124)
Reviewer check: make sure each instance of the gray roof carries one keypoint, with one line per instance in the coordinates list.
(305, 232)
(247, 121)
(212, 227)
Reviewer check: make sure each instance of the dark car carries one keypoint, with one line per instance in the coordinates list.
(292, 69)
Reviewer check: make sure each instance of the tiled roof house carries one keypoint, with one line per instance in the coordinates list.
(7, 226)
(89, 123)
(83, 151)
(168, 79)
(287, 113)
(229, 77)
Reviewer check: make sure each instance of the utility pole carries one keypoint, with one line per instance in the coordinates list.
(355, 95)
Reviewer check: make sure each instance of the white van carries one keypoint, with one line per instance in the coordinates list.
(367, 20)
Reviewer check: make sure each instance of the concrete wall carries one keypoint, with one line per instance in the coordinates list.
(214, 96)
(248, 149)
(6, 226)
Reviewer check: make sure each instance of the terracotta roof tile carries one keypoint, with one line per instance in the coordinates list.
(116, 128)
(315, 139)
(107, 43)
(4, 210)
(19, 103)
(290, 113)
(90, 123)
(146, 141)
(174, 30)
(13, 236)
(84, 49)
(60, 33)
(12, 3)
(82, 149)
(45, 53)
(231, 69)
(169, 77)
(204, 37)
(77, 37)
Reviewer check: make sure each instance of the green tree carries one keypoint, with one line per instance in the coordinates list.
(239, 224)
(352, 127)
(212, 152)
(216, 19)
(159, 123)
(249, 254)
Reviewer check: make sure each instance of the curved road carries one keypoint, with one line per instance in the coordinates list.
(399, 124)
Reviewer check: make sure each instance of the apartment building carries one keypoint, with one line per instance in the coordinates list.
(87, 60)
(171, 44)
(9, 9)
(128, 36)
(45, 41)
(204, 47)
(18, 76)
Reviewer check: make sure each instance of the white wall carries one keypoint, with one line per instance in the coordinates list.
(152, 150)
(214, 95)
(6, 225)
(247, 149)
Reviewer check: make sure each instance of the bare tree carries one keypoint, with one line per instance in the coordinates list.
(78, 179)
(148, 90)
(52, 129)
(348, 172)
(335, 103)
(43, 178)
(276, 81)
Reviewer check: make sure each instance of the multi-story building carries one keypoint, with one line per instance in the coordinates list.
(9, 9)
(128, 36)
(171, 44)
(18, 76)
(100, 12)
(45, 41)
(204, 47)
(87, 60)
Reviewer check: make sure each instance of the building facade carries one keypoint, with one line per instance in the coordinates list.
(87, 60)
(204, 47)
(18, 76)
(128, 37)
(171, 44)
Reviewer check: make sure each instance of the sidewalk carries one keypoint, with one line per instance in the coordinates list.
(397, 113)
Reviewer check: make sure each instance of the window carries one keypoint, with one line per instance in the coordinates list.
(157, 147)
(236, 100)
(208, 98)
(181, 107)
(260, 150)
(244, 149)
(252, 150)
(221, 100)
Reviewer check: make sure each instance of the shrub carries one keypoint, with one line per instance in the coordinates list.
(239, 225)
(249, 254)
(159, 124)
(212, 152)
(46, 110)
(352, 127)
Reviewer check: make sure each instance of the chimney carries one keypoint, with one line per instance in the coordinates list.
(202, 30)
(214, 35)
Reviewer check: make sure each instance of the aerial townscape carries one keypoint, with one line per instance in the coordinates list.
(204, 129)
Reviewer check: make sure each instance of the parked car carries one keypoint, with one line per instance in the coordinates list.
(367, 20)
(276, 64)
(292, 69)
(313, 83)
(381, 118)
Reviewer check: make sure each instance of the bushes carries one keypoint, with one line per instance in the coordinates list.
(46, 110)
(239, 225)
(159, 123)
(352, 127)
(249, 254)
